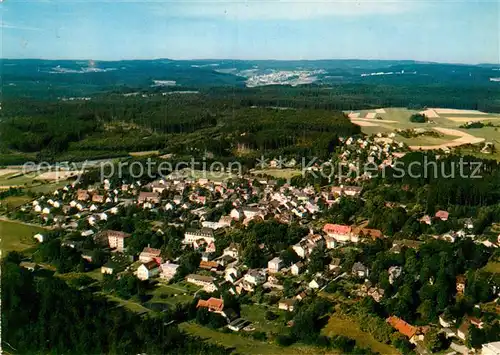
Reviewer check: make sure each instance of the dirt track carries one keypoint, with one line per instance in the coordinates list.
(463, 138)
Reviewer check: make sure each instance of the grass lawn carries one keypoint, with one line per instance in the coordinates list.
(49, 187)
(17, 180)
(279, 173)
(130, 304)
(12, 202)
(244, 345)
(171, 294)
(493, 267)
(95, 274)
(426, 140)
(257, 315)
(15, 236)
(145, 153)
(348, 327)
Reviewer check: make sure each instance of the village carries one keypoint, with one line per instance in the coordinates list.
(194, 220)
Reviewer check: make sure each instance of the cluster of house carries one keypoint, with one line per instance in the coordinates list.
(382, 151)
(451, 328)
(251, 199)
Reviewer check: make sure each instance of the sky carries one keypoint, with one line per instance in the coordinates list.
(440, 30)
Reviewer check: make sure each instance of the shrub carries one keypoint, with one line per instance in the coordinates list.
(418, 118)
(284, 340)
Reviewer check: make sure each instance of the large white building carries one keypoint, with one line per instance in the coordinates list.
(491, 348)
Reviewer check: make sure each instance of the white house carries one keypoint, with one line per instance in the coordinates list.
(274, 265)
(207, 282)
(287, 305)
(297, 268)
(87, 233)
(148, 270)
(301, 249)
(236, 214)
(331, 243)
(316, 283)
(394, 273)
(168, 270)
(231, 274)
(359, 270)
(255, 277)
(445, 323)
(192, 235)
(232, 251)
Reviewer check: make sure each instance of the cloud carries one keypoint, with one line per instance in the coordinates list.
(4, 25)
(281, 10)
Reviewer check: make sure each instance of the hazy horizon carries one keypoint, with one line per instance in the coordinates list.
(462, 32)
(251, 60)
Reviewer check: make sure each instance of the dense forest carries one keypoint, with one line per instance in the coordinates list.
(114, 126)
(225, 121)
(42, 315)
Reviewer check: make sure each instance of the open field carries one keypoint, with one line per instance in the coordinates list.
(278, 173)
(15, 236)
(8, 171)
(13, 202)
(452, 111)
(244, 345)
(446, 121)
(425, 139)
(257, 315)
(338, 325)
(463, 119)
(145, 153)
(463, 139)
(17, 180)
(363, 123)
(58, 175)
(493, 267)
(49, 187)
(129, 304)
(171, 294)
(204, 174)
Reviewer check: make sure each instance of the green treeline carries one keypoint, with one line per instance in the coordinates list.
(42, 315)
(114, 125)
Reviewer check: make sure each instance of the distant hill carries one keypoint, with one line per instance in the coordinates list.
(65, 78)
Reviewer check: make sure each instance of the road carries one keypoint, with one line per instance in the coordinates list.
(335, 279)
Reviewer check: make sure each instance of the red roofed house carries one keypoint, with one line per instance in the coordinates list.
(411, 332)
(209, 265)
(149, 254)
(152, 197)
(442, 215)
(340, 232)
(212, 304)
(98, 198)
(82, 195)
(366, 233)
(211, 248)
